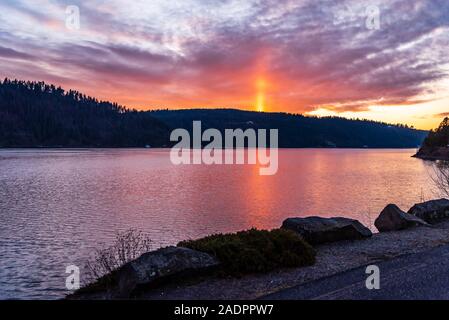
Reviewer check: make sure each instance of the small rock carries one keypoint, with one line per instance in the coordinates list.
(155, 265)
(431, 211)
(392, 218)
(317, 230)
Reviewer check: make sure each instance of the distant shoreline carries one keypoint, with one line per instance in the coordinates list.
(59, 119)
(143, 148)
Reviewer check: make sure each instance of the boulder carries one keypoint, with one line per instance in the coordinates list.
(316, 230)
(392, 218)
(156, 265)
(431, 211)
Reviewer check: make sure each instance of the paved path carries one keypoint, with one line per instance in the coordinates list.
(417, 276)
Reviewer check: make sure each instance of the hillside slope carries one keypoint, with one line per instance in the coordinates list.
(37, 114)
(436, 144)
(300, 131)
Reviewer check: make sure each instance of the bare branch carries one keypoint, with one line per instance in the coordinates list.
(128, 245)
(440, 177)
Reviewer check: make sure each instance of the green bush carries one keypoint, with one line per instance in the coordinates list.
(254, 250)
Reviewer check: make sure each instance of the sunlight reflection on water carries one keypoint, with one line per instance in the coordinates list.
(56, 206)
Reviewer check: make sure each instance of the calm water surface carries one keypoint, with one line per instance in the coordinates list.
(57, 206)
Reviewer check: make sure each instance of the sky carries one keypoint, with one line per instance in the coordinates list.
(385, 60)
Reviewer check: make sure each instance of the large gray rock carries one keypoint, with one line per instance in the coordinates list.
(317, 230)
(156, 265)
(431, 211)
(392, 218)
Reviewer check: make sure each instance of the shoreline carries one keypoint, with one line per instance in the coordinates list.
(433, 154)
(431, 158)
(168, 148)
(332, 257)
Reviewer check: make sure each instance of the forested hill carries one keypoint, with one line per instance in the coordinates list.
(35, 114)
(300, 131)
(436, 145)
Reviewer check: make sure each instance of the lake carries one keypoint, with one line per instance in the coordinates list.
(57, 206)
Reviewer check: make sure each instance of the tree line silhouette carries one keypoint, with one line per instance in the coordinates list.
(438, 137)
(36, 114)
(299, 131)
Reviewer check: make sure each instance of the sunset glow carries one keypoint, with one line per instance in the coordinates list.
(260, 99)
(319, 60)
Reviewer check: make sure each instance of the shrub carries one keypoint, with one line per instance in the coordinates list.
(255, 250)
(128, 245)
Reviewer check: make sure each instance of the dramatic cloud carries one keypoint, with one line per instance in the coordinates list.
(300, 55)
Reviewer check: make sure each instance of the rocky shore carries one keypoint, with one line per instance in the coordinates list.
(436, 144)
(340, 244)
(436, 153)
